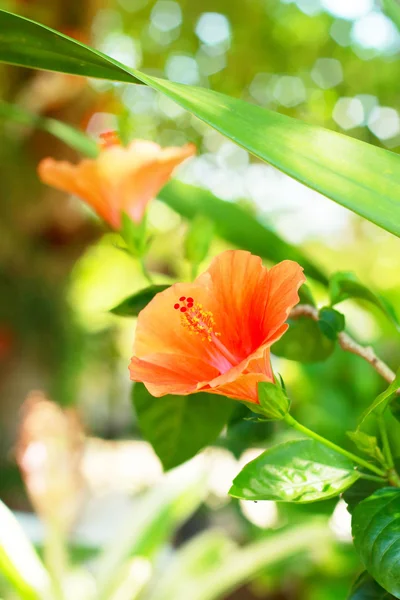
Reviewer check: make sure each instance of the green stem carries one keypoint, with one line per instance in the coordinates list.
(144, 270)
(308, 432)
(372, 477)
(385, 443)
(55, 558)
(387, 452)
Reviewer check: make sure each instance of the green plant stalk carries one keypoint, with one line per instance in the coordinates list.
(144, 270)
(353, 457)
(242, 565)
(372, 477)
(55, 558)
(392, 474)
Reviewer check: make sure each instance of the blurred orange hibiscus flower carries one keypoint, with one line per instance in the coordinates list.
(214, 335)
(120, 179)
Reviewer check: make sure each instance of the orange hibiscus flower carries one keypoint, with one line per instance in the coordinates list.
(214, 335)
(120, 179)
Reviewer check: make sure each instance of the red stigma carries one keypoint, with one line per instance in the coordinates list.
(176, 306)
(183, 309)
(190, 300)
(182, 298)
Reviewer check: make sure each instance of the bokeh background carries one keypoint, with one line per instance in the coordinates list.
(333, 63)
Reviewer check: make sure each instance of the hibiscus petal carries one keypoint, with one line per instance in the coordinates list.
(135, 175)
(82, 180)
(285, 279)
(240, 285)
(170, 374)
(243, 387)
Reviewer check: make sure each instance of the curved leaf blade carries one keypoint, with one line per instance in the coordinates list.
(131, 306)
(29, 44)
(344, 285)
(299, 471)
(376, 533)
(19, 562)
(366, 588)
(179, 426)
(359, 176)
(153, 519)
(392, 8)
(200, 575)
(381, 402)
(359, 491)
(69, 135)
(235, 225)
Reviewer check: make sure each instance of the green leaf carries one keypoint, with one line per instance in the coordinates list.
(198, 239)
(30, 44)
(19, 562)
(331, 322)
(376, 533)
(273, 400)
(243, 432)
(304, 342)
(344, 285)
(179, 426)
(209, 567)
(154, 518)
(359, 491)
(298, 471)
(359, 176)
(380, 403)
(69, 135)
(306, 296)
(367, 444)
(131, 306)
(366, 588)
(235, 225)
(392, 8)
(395, 407)
(204, 553)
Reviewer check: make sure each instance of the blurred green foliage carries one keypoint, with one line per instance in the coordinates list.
(59, 273)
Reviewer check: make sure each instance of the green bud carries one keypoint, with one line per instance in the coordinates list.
(134, 235)
(274, 402)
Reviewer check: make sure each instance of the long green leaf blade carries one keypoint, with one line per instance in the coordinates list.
(69, 135)
(235, 225)
(19, 562)
(29, 44)
(152, 521)
(392, 8)
(359, 176)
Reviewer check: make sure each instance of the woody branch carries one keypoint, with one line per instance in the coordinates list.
(347, 343)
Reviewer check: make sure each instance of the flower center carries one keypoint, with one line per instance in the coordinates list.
(201, 322)
(109, 139)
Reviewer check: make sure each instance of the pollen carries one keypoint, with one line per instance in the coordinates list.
(199, 322)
